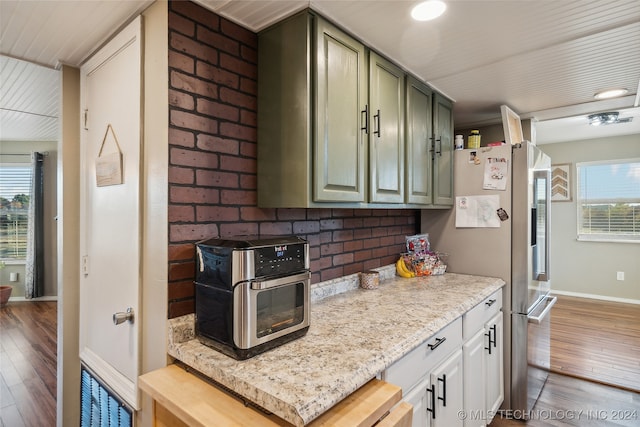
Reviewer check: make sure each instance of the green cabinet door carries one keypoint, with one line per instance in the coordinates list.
(341, 118)
(443, 151)
(386, 134)
(419, 163)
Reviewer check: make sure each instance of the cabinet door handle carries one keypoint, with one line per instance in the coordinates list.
(365, 128)
(439, 150)
(490, 302)
(437, 343)
(443, 380)
(432, 390)
(491, 341)
(377, 132)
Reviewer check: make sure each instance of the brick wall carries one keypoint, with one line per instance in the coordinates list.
(212, 163)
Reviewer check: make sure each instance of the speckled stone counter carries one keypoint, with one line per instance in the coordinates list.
(354, 335)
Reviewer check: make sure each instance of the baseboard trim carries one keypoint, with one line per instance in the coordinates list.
(593, 296)
(19, 299)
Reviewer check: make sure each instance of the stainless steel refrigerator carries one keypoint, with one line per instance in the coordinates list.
(499, 226)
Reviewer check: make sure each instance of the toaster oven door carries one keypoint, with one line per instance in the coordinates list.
(269, 309)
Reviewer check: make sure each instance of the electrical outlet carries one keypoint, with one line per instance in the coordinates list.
(620, 275)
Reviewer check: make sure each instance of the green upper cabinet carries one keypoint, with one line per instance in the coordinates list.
(429, 145)
(341, 116)
(418, 144)
(332, 123)
(443, 151)
(386, 130)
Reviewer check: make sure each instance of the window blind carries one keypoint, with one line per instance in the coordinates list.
(15, 186)
(609, 200)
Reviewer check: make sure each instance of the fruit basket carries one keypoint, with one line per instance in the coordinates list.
(420, 260)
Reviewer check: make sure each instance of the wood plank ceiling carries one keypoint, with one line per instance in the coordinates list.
(546, 59)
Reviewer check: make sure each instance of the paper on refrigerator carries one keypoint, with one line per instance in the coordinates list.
(477, 211)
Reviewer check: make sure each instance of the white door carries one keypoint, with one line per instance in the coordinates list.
(110, 215)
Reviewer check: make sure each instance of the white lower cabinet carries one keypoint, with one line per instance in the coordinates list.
(483, 361)
(456, 377)
(431, 377)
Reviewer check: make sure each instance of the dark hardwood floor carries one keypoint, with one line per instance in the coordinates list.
(28, 341)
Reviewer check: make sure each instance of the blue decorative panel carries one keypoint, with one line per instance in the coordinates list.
(99, 406)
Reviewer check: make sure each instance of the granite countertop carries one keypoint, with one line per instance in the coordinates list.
(354, 335)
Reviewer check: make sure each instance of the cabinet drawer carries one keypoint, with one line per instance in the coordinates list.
(410, 369)
(474, 319)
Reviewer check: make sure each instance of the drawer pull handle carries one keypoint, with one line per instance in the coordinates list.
(491, 341)
(443, 380)
(490, 302)
(438, 342)
(432, 390)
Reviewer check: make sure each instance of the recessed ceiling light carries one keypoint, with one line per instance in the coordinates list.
(610, 93)
(428, 10)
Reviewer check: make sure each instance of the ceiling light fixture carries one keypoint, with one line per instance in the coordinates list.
(428, 10)
(603, 118)
(610, 93)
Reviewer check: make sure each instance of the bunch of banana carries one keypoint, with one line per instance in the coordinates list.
(402, 269)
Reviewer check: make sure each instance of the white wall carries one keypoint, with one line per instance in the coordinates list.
(589, 268)
(50, 212)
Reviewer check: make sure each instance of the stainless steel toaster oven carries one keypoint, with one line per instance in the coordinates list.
(251, 293)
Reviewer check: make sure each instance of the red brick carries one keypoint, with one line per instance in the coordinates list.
(234, 130)
(370, 264)
(362, 255)
(191, 47)
(181, 290)
(181, 100)
(342, 235)
(240, 99)
(248, 86)
(353, 268)
(238, 32)
(248, 118)
(331, 273)
(181, 138)
(193, 122)
(238, 229)
(315, 276)
(343, 259)
(325, 237)
(248, 182)
(193, 195)
(371, 222)
(196, 12)
(325, 263)
(181, 308)
(352, 223)
(379, 232)
(193, 85)
(198, 159)
(275, 228)
(181, 270)
(353, 245)
(181, 62)
(387, 241)
(331, 224)
(231, 197)
(331, 248)
(249, 149)
(182, 25)
(178, 175)
(370, 243)
(181, 252)
(379, 212)
(217, 75)
(292, 214)
(180, 213)
(218, 110)
(251, 213)
(343, 213)
(217, 144)
(217, 40)
(305, 227)
(216, 214)
(249, 54)
(215, 178)
(238, 164)
(387, 221)
(191, 232)
(314, 252)
(238, 65)
(379, 252)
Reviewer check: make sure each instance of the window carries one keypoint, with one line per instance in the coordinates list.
(15, 183)
(609, 200)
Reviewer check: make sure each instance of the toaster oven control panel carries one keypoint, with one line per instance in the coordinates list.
(280, 259)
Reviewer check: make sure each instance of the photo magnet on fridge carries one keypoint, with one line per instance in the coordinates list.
(502, 214)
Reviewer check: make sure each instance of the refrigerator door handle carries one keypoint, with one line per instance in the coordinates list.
(549, 302)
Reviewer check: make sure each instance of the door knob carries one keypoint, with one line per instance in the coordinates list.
(121, 317)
